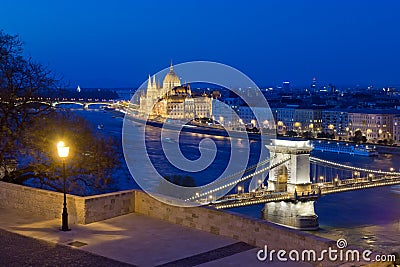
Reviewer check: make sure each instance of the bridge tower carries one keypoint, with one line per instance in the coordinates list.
(294, 174)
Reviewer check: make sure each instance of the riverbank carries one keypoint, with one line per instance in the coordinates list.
(190, 128)
(219, 131)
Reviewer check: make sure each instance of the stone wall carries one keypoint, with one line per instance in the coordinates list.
(106, 206)
(252, 231)
(44, 203)
(81, 210)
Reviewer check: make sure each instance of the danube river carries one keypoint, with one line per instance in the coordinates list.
(369, 218)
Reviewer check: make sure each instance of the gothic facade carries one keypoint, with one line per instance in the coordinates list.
(173, 100)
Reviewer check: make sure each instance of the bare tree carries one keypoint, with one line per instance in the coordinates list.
(21, 81)
(30, 130)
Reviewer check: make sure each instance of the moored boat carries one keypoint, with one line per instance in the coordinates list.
(346, 148)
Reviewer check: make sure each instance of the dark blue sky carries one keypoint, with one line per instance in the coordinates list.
(117, 43)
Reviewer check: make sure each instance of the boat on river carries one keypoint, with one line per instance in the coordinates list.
(345, 148)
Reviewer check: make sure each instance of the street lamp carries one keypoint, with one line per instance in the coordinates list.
(63, 152)
(260, 185)
(370, 176)
(321, 181)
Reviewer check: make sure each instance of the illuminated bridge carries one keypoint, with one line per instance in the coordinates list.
(84, 104)
(296, 180)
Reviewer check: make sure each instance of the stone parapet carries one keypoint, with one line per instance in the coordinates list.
(81, 210)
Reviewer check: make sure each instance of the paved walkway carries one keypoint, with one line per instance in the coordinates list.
(131, 239)
(18, 250)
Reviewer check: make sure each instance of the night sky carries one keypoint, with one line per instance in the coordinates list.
(118, 43)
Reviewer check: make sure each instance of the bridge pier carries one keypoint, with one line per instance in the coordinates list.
(293, 176)
(294, 214)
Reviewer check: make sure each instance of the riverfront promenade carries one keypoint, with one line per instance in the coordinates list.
(132, 239)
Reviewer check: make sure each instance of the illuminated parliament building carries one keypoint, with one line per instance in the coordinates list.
(173, 100)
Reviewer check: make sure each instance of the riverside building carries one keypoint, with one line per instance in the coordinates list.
(173, 100)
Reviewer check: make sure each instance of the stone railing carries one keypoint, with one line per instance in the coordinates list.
(81, 210)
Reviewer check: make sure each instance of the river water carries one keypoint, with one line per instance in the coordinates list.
(369, 218)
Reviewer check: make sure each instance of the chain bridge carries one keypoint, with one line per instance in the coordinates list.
(295, 181)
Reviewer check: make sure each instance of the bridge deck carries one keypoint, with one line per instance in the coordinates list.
(264, 196)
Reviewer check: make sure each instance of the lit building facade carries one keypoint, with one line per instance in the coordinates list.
(173, 100)
(225, 113)
(396, 129)
(335, 122)
(256, 117)
(307, 120)
(374, 125)
(284, 118)
(297, 119)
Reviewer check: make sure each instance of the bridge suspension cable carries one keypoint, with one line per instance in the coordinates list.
(237, 178)
(343, 166)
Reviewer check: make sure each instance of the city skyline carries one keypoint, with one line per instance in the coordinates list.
(102, 44)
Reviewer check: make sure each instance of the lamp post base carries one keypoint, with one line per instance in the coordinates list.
(64, 226)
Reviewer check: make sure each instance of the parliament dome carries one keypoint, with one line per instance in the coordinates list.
(171, 80)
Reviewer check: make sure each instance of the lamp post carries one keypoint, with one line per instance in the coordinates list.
(336, 180)
(370, 176)
(239, 189)
(321, 181)
(260, 185)
(63, 152)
